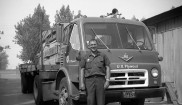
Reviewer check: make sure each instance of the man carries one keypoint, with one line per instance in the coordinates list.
(94, 74)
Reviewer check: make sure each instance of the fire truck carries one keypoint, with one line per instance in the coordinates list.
(135, 69)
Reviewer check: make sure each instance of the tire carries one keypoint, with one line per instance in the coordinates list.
(37, 91)
(24, 84)
(30, 81)
(134, 102)
(64, 98)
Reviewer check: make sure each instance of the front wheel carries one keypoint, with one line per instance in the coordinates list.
(64, 94)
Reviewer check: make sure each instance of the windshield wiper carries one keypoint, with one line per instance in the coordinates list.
(101, 40)
(132, 38)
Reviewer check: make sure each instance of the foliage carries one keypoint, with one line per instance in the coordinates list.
(78, 15)
(64, 15)
(142, 19)
(1, 48)
(134, 18)
(28, 34)
(173, 7)
(3, 60)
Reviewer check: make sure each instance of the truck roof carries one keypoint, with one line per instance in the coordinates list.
(108, 20)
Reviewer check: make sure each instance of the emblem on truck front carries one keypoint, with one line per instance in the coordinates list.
(125, 57)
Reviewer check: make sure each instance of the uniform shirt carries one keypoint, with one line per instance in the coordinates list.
(94, 65)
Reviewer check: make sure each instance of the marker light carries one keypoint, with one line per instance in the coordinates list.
(154, 72)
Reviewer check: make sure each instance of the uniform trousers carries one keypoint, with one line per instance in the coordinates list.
(95, 90)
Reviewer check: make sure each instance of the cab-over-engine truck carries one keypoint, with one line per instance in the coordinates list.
(135, 69)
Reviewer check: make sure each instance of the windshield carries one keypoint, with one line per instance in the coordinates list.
(117, 36)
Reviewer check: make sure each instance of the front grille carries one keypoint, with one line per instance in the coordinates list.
(136, 82)
(136, 74)
(117, 83)
(117, 74)
(124, 78)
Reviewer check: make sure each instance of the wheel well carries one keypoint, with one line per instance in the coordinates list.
(59, 77)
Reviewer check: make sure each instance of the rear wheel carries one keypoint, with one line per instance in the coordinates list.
(30, 84)
(24, 84)
(64, 95)
(37, 91)
(30, 80)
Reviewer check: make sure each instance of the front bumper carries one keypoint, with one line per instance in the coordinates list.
(117, 95)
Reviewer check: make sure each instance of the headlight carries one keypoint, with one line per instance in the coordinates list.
(154, 72)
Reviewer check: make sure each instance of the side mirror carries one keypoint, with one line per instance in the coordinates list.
(67, 49)
(160, 58)
(60, 32)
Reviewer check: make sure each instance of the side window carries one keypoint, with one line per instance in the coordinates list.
(74, 38)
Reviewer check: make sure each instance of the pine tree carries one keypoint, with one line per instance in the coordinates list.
(3, 59)
(142, 19)
(78, 15)
(134, 18)
(64, 15)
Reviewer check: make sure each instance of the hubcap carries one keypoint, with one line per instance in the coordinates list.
(63, 96)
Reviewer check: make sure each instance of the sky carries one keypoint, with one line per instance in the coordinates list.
(13, 11)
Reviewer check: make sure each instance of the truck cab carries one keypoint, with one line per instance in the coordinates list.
(135, 69)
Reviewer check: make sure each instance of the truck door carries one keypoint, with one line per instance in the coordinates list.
(73, 51)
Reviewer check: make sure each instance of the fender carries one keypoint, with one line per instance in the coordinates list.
(63, 72)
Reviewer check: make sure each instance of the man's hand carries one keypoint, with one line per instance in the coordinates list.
(81, 80)
(106, 85)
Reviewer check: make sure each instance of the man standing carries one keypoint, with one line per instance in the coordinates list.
(94, 74)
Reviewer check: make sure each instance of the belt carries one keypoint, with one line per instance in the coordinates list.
(95, 76)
